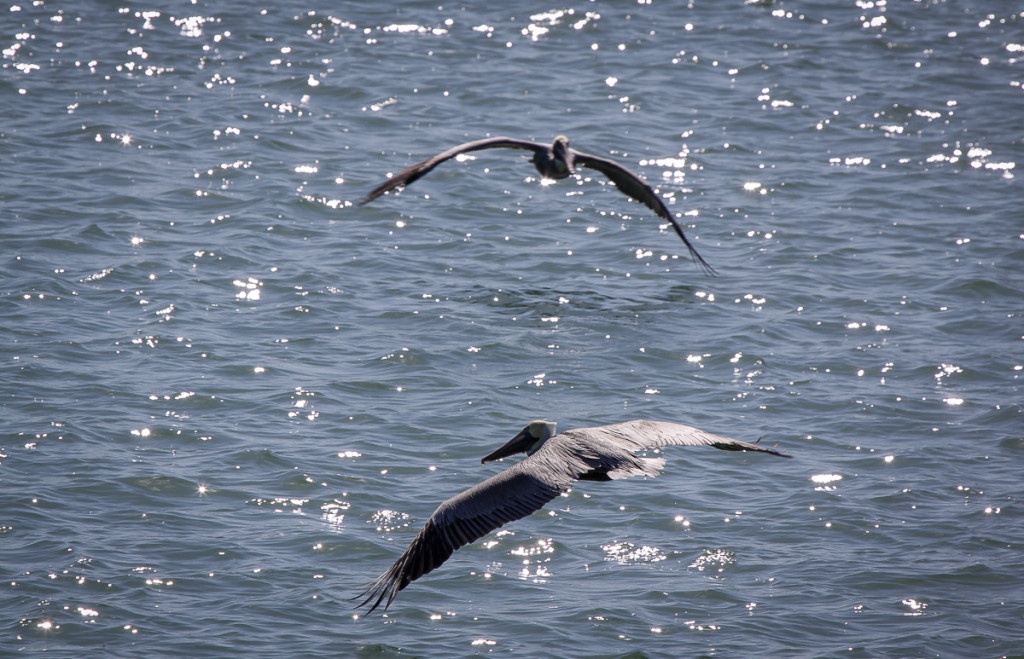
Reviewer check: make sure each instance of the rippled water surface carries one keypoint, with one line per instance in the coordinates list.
(230, 396)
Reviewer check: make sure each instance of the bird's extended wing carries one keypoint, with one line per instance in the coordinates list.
(505, 497)
(640, 434)
(420, 169)
(634, 186)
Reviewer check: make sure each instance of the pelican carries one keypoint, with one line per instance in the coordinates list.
(557, 161)
(553, 462)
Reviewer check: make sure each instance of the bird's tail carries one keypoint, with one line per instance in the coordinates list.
(638, 467)
(653, 466)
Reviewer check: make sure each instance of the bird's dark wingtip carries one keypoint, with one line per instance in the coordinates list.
(694, 254)
(370, 197)
(381, 590)
(773, 450)
(374, 590)
(705, 266)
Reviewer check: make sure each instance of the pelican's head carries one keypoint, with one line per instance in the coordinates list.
(529, 439)
(560, 146)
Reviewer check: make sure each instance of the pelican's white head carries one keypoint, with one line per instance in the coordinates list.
(541, 431)
(529, 439)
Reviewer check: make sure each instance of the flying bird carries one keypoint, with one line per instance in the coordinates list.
(554, 462)
(557, 161)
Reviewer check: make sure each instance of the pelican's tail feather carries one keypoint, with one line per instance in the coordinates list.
(640, 467)
(653, 466)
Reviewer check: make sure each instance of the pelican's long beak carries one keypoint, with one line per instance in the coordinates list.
(518, 444)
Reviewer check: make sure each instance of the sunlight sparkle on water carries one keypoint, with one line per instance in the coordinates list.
(825, 482)
(713, 560)
(333, 514)
(249, 288)
(543, 546)
(628, 553)
(389, 520)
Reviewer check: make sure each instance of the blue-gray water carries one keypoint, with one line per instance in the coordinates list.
(229, 396)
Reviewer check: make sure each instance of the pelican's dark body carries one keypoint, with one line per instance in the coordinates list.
(557, 161)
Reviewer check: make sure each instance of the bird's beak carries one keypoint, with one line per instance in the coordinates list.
(517, 444)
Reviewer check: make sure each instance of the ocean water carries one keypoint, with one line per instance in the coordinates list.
(230, 396)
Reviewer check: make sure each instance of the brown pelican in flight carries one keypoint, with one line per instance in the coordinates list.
(557, 161)
(553, 463)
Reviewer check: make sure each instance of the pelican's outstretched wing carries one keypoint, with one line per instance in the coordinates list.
(634, 186)
(505, 497)
(640, 434)
(420, 169)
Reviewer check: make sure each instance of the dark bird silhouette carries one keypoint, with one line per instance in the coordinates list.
(553, 463)
(557, 161)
